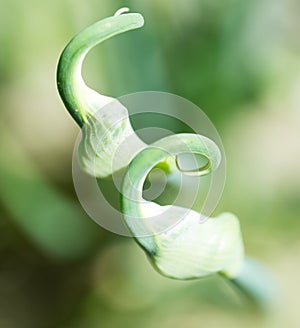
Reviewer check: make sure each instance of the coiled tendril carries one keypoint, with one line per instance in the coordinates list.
(178, 245)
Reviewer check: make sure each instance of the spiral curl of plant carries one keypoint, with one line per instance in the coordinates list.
(190, 249)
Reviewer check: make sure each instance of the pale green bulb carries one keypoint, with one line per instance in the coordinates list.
(194, 249)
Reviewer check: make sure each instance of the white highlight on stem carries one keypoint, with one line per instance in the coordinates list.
(121, 11)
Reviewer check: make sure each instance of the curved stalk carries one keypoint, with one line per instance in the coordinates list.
(177, 242)
(171, 147)
(104, 120)
(72, 89)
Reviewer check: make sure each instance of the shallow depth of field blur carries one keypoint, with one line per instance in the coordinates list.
(237, 60)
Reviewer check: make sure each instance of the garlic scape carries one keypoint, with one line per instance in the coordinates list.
(104, 120)
(176, 240)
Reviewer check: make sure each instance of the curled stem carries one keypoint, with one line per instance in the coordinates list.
(176, 242)
(132, 202)
(104, 120)
(72, 89)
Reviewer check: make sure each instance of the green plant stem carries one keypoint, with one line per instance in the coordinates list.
(255, 284)
(71, 86)
(82, 102)
(252, 281)
(140, 167)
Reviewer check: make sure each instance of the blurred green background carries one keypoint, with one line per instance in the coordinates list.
(237, 60)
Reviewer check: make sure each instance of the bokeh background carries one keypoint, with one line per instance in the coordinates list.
(237, 60)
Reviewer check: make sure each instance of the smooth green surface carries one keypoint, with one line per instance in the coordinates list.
(73, 91)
